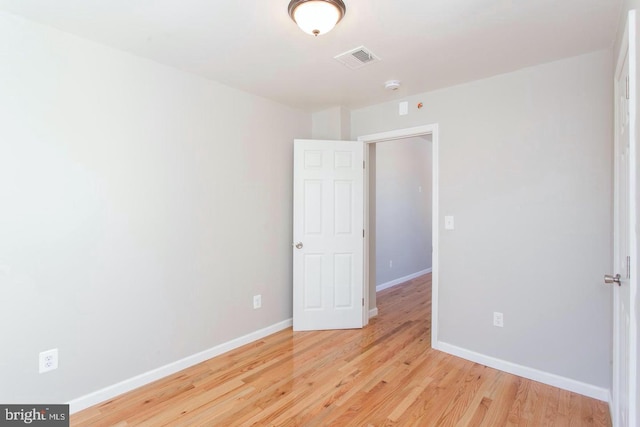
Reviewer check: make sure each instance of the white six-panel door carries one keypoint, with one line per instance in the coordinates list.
(328, 246)
(624, 333)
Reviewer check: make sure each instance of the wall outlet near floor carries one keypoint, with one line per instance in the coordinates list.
(498, 319)
(257, 301)
(390, 264)
(48, 360)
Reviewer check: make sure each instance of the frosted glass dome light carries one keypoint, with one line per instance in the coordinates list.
(316, 17)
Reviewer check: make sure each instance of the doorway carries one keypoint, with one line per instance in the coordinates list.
(403, 210)
(429, 131)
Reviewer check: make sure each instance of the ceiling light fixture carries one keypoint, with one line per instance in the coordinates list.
(316, 17)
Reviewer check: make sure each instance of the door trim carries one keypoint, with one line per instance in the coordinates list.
(431, 129)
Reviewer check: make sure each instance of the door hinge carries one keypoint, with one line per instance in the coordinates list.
(627, 87)
(628, 267)
(363, 165)
(363, 233)
(363, 302)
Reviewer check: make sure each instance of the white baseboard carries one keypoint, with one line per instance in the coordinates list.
(526, 372)
(114, 390)
(401, 280)
(373, 312)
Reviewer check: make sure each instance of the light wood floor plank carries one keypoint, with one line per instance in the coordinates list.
(383, 375)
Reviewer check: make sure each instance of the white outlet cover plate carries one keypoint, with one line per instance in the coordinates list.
(48, 360)
(257, 301)
(498, 319)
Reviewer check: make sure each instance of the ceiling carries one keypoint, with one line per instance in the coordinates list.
(254, 46)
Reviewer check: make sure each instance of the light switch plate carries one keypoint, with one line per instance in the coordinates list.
(403, 108)
(448, 222)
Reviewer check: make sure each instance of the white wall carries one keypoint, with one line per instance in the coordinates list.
(331, 124)
(142, 208)
(403, 208)
(525, 167)
(627, 6)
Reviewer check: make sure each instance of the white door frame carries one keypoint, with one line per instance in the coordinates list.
(628, 47)
(432, 130)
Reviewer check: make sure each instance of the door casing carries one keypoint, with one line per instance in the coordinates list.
(431, 129)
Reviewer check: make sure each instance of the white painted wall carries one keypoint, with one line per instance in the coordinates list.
(627, 6)
(403, 212)
(331, 124)
(134, 199)
(525, 168)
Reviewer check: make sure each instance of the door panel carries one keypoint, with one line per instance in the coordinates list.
(624, 355)
(328, 261)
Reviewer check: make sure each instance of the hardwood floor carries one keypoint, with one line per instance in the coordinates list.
(383, 375)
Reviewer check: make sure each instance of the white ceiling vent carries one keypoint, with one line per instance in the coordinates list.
(357, 58)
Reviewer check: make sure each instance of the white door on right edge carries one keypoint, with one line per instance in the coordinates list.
(623, 172)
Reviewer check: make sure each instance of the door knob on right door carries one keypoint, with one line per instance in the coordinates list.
(612, 279)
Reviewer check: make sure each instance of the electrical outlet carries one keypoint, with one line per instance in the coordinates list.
(498, 319)
(257, 301)
(390, 264)
(48, 360)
